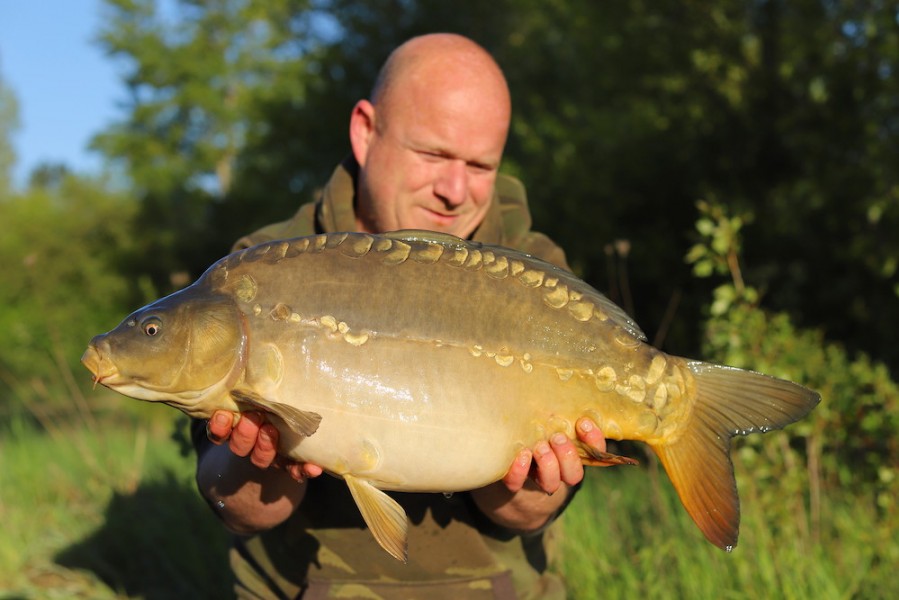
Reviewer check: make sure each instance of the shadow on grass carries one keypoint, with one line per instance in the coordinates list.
(162, 541)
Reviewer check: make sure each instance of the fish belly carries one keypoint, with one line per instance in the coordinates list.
(420, 415)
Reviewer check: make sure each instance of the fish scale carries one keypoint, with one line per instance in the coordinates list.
(421, 362)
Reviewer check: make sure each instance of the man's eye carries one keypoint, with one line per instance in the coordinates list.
(480, 168)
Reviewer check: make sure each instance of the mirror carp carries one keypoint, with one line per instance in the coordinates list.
(416, 361)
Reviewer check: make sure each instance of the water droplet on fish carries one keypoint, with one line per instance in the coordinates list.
(447, 495)
(220, 504)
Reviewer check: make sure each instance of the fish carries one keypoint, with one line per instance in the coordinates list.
(420, 362)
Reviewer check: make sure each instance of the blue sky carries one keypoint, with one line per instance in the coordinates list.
(66, 88)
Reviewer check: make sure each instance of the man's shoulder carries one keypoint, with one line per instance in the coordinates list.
(516, 223)
(300, 224)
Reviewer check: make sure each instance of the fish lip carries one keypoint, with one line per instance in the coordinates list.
(111, 379)
(92, 360)
(102, 370)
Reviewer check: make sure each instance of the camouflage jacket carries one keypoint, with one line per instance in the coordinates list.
(324, 549)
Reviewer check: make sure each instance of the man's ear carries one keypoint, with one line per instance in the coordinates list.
(362, 129)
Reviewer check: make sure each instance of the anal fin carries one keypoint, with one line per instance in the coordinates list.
(384, 516)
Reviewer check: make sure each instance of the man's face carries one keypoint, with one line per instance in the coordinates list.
(430, 163)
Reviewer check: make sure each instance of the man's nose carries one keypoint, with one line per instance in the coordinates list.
(452, 183)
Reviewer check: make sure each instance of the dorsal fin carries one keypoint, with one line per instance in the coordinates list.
(616, 314)
(423, 235)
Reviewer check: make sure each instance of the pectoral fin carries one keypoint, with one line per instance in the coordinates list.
(303, 422)
(595, 458)
(383, 515)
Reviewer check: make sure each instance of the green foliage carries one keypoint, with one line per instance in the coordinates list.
(64, 249)
(850, 438)
(626, 535)
(9, 122)
(719, 254)
(199, 75)
(105, 511)
(721, 240)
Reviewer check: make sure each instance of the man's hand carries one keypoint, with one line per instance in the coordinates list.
(553, 463)
(255, 437)
(536, 485)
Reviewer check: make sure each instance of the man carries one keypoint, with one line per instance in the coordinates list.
(425, 154)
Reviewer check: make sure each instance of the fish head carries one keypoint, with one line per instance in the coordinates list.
(184, 350)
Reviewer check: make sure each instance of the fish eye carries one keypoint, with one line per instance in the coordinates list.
(151, 326)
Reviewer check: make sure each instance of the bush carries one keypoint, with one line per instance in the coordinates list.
(850, 438)
(62, 250)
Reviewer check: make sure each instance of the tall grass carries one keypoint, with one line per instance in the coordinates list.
(104, 511)
(626, 535)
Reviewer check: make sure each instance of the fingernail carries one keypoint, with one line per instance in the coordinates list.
(211, 436)
(222, 419)
(541, 448)
(586, 426)
(524, 458)
(558, 439)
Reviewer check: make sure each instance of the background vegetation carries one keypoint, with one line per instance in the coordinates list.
(725, 170)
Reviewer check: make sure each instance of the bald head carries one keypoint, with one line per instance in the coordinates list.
(430, 140)
(445, 58)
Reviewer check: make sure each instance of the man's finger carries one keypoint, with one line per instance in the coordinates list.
(571, 471)
(590, 434)
(311, 470)
(218, 427)
(243, 437)
(266, 448)
(518, 472)
(548, 477)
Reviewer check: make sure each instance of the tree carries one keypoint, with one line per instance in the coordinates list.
(9, 122)
(194, 80)
(63, 248)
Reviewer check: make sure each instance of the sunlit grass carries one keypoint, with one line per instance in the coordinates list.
(102, 511)
(626, 535)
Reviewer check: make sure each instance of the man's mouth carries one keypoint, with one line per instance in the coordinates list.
(441, 218)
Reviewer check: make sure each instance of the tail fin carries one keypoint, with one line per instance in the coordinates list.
(728, 402)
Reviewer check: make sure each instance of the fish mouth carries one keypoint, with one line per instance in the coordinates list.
(100, 367)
